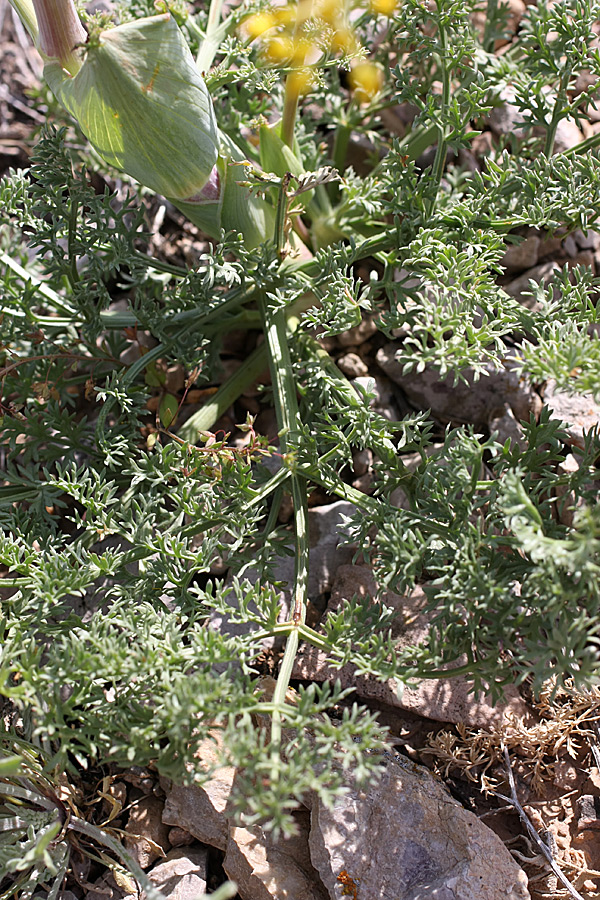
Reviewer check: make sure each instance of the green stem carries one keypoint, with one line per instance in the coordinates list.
(557, 112)
(490, 20)
(212, 38)
(340, 146)
(583, 146)
(290, 108)
(227, 394)
(442, 144)
(288, 420)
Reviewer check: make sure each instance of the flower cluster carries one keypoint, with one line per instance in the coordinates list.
(300, 36)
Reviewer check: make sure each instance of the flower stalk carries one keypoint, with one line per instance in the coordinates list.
(60, 32)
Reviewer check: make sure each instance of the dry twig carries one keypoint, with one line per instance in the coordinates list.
(539, 843)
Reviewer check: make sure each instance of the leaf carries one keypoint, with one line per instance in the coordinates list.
(167, 410)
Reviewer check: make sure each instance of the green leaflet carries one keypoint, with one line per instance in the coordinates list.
(142, 103)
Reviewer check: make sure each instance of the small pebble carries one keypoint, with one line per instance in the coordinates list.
(352, 365)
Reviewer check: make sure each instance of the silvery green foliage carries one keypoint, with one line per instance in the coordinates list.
(114, 545)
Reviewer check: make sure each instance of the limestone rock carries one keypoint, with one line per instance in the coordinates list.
(182, 876)
(200, 809)
(506, 427)
(384, 401)
(147, 837)
(267, 870)
(506, 117)
(352, 365)
(326, 553)
(579, 412)
(406, 838)
(357, 335)
(443, 700)
(469, 401)
(568, 135)
(179, 837)
(520, 287)
(522, 255)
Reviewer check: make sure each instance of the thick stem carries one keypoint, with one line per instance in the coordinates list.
(60, 32)
(290, 108)
(213, 37)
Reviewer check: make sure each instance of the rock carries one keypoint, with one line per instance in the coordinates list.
(505, 425)
(578, 412)
(200, 809)
(443, 700)
(523, 255)
(326, 553)
(179, 837)
(357, 335)
(147, 836)
(568, 501)
(472, 402)
(588, 808)
(406, 838)
(568, 135)
(352, 365)
(589, 240)
(268, 870)
(384, 401)
(362, 462)
(520, 287)
(325, 534)
(507, 118)
(182, 875)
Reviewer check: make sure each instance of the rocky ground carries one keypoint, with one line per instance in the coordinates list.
(428, 814)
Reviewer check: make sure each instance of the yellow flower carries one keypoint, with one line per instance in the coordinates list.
(366, 79)
(279, 49)
(285, 15)
(383, 7)
(343, 40)
(329, 10)
(258, 24)
(301, 81)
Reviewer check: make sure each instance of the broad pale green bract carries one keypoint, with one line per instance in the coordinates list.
(236, 209)
(141, 102)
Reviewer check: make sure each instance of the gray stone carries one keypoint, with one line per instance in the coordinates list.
(441, 699)
(352, 365)
(520, 287)
(522, 255)
(357, 335)
(578, 412)
(406, 838)
(147, 837)
(506, 427)
(384, 401)
(264, 869)
(200, 809)
(568, 135)
(589, 240)
(506, 118)
(182, 876)
(468, 401)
